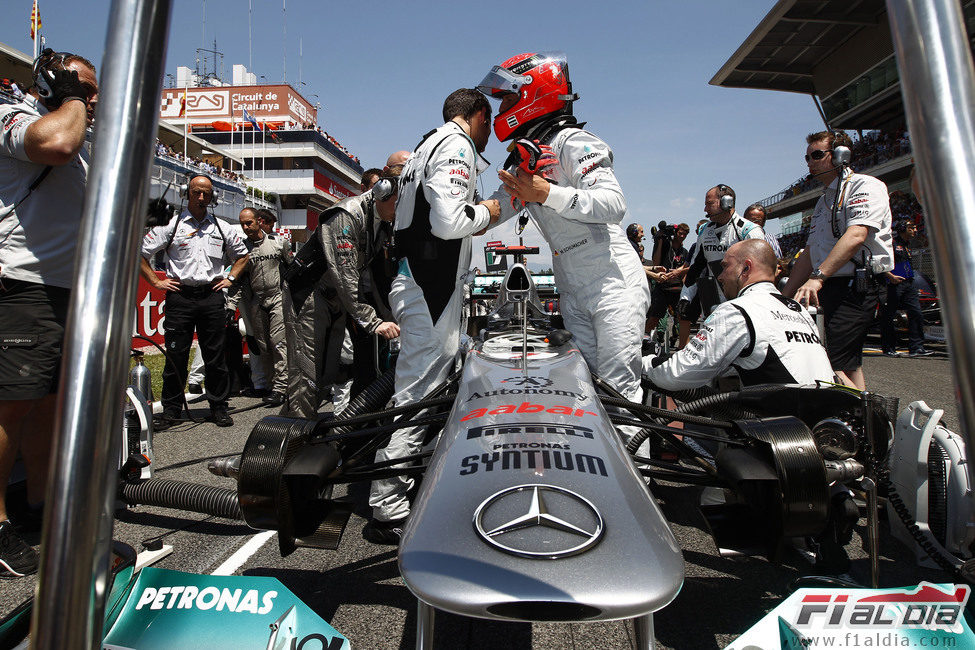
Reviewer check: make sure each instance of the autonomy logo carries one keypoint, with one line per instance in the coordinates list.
(926, 606)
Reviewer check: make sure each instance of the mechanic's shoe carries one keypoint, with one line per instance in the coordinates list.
(166, 419)
(384, 532)
(891, 353)
(923, 352)
(221, 418)
(195, 389)
(274, 399)
(17, 558)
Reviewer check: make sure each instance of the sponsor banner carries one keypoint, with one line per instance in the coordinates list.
(149, 315)
(331, 187)
(275, 103)
(924, 616)
(171, 609)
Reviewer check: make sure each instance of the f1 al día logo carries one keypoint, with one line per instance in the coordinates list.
(925, 616)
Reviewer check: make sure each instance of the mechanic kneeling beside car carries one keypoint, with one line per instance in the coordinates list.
(766, 337)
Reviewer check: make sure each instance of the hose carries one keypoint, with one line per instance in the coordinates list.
(717, 399)
(372, 398)
(194, 497)
(683, 413)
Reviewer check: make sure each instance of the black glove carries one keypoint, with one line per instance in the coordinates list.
(681, 309)
(231, 317)
(65, 86)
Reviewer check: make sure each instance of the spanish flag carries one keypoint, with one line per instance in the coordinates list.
(35, 21)
(182, 101)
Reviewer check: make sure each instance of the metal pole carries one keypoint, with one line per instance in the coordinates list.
(938, 87)
(75, 551)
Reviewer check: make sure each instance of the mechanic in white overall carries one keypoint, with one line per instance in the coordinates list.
(437, 213)
(766, 337)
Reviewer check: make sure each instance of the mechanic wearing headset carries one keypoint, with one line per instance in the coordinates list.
(724, 229)
(317, 330)
(195, 247)
(847, 254)
(578, 205)
(437, 213)
(43, 172)
(766, 337)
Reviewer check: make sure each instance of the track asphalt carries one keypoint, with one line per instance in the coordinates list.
(357, 588)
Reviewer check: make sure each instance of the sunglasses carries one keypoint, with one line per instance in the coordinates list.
(817, 154)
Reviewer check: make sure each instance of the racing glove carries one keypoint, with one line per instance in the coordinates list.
(66, 86)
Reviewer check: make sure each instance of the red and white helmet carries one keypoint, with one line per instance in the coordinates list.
(541, 81)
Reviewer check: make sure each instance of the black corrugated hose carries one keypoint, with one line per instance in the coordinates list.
(205, 499)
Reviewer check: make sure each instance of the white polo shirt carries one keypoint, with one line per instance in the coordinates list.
(196, 255)
(863, 202)
(37, 239)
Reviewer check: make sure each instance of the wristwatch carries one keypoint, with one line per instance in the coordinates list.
(817, 275)
(232, 277)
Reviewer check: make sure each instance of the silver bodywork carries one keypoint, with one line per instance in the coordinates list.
(531, 509)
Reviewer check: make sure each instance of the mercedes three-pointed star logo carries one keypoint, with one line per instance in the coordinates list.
(577, 520)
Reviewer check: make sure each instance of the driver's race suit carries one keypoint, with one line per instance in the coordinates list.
(604, 296)
(436, 215)
(712, 243)
(766, 337)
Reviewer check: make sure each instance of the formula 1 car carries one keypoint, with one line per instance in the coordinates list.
(531, 506)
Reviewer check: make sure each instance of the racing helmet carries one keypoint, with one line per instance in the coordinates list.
(541, 81)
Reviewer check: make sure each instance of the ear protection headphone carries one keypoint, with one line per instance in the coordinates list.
(841, 153)
(184, 189)
(385, 188)
(43, 72)
(726, 197)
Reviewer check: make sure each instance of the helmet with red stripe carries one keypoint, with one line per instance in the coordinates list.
(539, 86)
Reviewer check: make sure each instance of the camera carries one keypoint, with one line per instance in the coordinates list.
(663, 229)
(662, 235)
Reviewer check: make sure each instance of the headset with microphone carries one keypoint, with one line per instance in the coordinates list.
(726, 197)
(385, 188)
(44, 68)
(184, 189)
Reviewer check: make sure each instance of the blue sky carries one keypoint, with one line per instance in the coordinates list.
(382, 70)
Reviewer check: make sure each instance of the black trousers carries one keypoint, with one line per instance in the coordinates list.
(201, 310)
(902, 296)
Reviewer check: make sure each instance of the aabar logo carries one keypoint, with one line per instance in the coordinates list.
(526, 407)
(190, 597)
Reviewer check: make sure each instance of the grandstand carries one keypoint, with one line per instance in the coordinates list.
(840, 52)
(273, 131)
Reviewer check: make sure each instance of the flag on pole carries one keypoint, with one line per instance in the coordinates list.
(35, 22)
(182, 104)
(250, 118)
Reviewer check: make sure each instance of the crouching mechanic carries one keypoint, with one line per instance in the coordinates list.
(578, 205)
(437, 213)
(322, 291)
(766, 337)
(349, 245)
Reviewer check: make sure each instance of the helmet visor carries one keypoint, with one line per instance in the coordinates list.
(500, 81)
